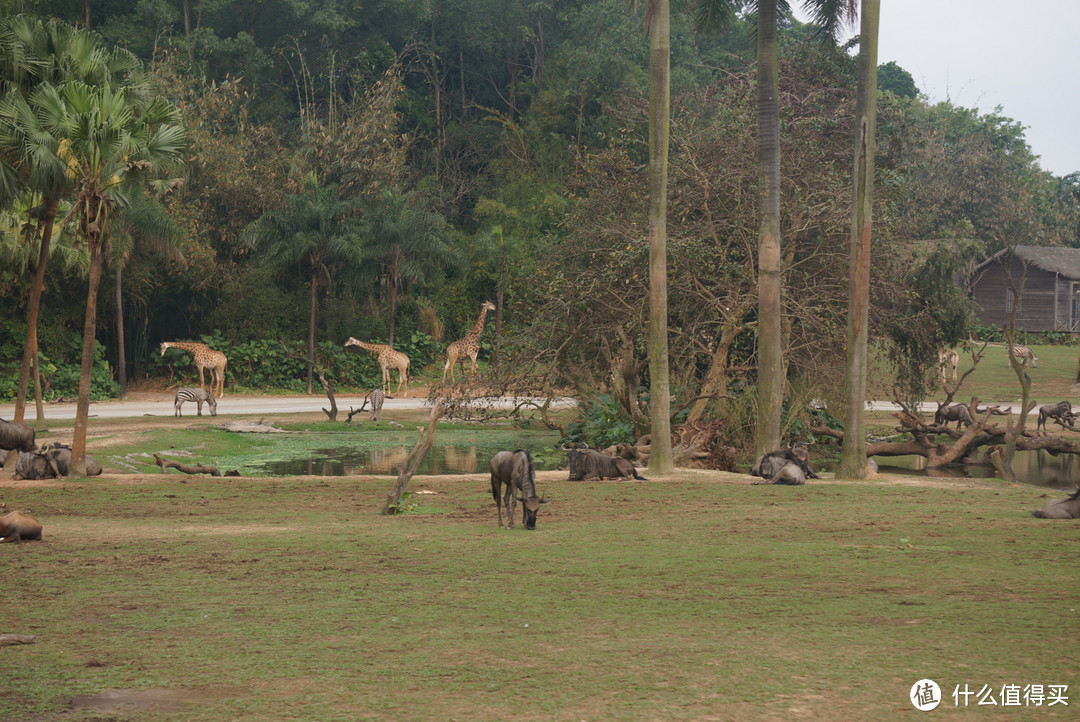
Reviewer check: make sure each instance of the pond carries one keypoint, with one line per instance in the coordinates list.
(1039, 467)
(385, 460)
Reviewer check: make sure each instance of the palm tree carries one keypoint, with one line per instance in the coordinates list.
(406, 238)
(109, 139)
(853, 455)
(315, 228)
(35, 52)
(770, 347)
(658, 26)
(143, 223)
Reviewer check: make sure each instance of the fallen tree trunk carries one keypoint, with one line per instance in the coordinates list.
(941, 446)
(186, 468)
(8, 639)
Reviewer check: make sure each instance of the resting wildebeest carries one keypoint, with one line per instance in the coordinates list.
(591, 464)
(1061, 411)
(17, 526)
(50, 462)
(776, 468)
(515, 469)
(16, 436)
(1067, 508)
(957, 412)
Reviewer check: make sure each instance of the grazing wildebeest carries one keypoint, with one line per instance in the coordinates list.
(591, 464)
(1068, 508)
(957, 412)
(776, 468)
(1061, 411)
(16, 436)
(17, 526)
(515, 469)
(199, 396)
(50, 462)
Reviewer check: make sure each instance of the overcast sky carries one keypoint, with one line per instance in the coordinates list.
(1023, 56)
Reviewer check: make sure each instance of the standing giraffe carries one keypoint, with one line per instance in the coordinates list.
(205, 358)
(468, 346)
(388, 359)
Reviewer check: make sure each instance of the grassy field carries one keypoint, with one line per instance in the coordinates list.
(994, 381)
(697, 596)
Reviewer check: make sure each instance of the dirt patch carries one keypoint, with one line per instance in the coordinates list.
(163, 699)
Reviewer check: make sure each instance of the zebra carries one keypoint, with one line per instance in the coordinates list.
(196, 395)
(376, 397)
(1023, 353)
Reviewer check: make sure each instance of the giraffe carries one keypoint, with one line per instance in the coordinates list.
(388, 358)
(205, 358)
(468, 346)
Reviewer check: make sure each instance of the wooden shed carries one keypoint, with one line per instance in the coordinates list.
(1047, 282)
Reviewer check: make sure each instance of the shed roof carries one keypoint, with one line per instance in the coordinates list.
(1065, 261)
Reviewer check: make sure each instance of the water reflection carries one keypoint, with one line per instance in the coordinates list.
(383, 461)
(1038, 467)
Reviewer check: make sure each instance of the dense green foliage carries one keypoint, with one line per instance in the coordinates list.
(482, 151)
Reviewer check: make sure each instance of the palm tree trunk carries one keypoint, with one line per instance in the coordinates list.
(82, 409)
(853, 455)
(500, 294)
(37, 284)
(121, 352)
(770, 355)
(660, 460)
(311, 327)
(393, 310)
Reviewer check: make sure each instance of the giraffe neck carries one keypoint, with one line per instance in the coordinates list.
(479, 327)
(186, 345)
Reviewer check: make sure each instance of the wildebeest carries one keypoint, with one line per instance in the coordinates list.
(776, 468)
(1061, 411)
(50, 462)
(957, 412)
(785, 466)
(1068, 508)
(16, 436)
(199, 396)
(515, 469)
(17, 526)
(591, 464)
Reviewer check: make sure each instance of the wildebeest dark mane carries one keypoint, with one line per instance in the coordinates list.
(526, 479)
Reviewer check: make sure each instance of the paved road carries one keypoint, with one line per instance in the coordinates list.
(161, 404)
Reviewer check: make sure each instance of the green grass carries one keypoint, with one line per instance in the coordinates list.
(695, 597)
(993, 380)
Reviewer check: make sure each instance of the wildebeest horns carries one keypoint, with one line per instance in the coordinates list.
(565, 447)
(541, 500)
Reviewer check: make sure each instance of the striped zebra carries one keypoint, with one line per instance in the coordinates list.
(196, 395)
(376, 398)
(1023, 353)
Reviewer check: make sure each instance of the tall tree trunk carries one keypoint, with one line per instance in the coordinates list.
(393, 310)
(311, 327)
(37, 284)
(121, 350)
(770, 354)
(853, 455)
(82, 409)
(500, 294)
(660, 460)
